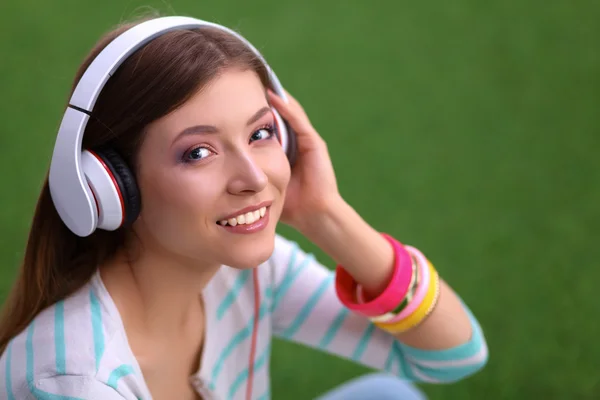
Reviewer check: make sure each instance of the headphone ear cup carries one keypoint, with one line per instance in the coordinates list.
(126, 184)
(287, 137)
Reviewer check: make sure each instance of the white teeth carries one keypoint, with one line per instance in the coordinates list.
(247, 218)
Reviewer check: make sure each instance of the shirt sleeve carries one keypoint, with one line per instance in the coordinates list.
(306, 310)
(68, 387)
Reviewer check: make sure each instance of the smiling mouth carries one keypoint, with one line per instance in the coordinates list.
(247, 218)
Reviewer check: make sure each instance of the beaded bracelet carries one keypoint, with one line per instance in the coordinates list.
(421, 290)
(414, 283)
(422, 312)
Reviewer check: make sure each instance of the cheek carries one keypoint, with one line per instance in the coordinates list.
(176, 202)
(278, 170)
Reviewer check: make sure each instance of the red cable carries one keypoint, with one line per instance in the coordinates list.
(254, 334)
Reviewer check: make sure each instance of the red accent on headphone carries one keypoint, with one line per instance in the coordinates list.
(254, 334)
(114, 183)
(95, 201)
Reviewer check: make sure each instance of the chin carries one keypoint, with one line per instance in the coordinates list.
(249, 255)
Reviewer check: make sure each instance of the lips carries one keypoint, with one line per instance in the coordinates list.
(246, 216)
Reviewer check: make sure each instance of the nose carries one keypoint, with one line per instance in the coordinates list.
(247, 175)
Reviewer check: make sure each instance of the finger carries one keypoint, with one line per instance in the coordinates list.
(292, 113)
(293, 101)
(284, 108)
(275, 98)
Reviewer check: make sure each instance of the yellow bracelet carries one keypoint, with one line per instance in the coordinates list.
(426, 307)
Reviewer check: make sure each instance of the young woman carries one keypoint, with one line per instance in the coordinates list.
(182, 301)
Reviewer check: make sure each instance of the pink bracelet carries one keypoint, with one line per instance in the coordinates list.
(421, 290)
(393, 294)
(414, 282)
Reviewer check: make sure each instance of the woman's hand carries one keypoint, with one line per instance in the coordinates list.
(312, 190)
(314, 206)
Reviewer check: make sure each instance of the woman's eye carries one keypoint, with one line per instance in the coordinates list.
(263, 133)
(197, 154)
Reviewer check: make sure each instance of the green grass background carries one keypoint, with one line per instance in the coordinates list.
(469, 129)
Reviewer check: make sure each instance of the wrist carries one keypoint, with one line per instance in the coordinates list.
(344, 236)
(324, 218)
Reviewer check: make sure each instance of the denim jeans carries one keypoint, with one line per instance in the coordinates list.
(375, 386)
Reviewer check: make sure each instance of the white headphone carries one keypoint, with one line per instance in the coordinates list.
(96, 189)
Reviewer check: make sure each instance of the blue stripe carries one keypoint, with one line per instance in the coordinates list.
(97, 328)
(29, 350)
(38, 394)
(307, 308)
(334, 328)
(266, 395)
(289, 267)
(269, 298)
(450, 374)
(292, 260)
(59, 337)
(243, 376)
(118, 373)
(465, 350)
(363, 342)
(239, 283)
(9, 393)
(388, 361)
(288, 280)
(235, 342)
(403, 368)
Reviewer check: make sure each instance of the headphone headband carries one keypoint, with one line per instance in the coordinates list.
(69, 188)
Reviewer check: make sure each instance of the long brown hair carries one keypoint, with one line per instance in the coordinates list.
(151, 83)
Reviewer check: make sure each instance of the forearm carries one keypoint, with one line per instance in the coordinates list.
(369, 258)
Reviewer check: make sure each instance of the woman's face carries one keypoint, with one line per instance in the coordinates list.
(213, 176)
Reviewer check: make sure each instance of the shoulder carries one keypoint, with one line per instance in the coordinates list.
(285, 251)
(289, 261)
(66, 348)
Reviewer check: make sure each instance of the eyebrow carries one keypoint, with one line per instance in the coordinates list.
(200, 129)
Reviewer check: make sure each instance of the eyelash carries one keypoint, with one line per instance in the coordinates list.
(270, 128)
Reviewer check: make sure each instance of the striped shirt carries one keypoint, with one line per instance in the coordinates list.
(78, 349)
